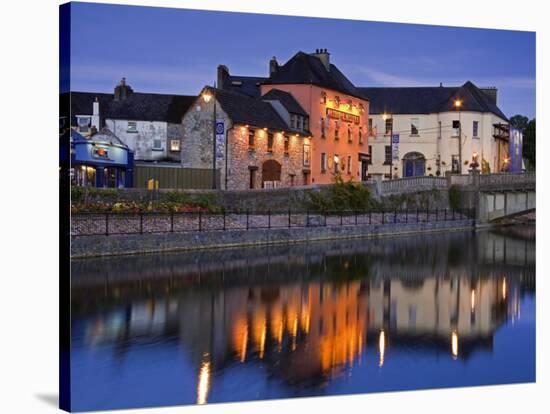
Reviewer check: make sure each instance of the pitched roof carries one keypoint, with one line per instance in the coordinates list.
(248, 85)
(426, 100)
(103, 135)
(137, 106)
(303, 68)
(243, 109)
(286, 99)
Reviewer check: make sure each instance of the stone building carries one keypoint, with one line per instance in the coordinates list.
(256, 145)
(441, 130)
(148, 123)
(337, 111)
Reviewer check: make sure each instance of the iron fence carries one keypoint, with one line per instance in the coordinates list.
(110, 223)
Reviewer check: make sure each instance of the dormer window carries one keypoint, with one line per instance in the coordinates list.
(84, 123)
(323, 98)
(306, 123)
(299, 122)
(293, 121)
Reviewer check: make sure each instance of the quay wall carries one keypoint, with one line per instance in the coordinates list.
(102, 245)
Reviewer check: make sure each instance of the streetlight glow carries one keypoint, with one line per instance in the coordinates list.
(458, 103)
(206, 96)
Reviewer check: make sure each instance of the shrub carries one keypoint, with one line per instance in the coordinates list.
(455, 197)
(175, 197)
(341, 196)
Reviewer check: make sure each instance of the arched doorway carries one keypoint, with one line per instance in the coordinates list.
(414, 164)
(271, 174)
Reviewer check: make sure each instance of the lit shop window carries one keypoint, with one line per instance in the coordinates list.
(174, 145)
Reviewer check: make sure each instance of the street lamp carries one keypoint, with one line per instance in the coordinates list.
(207, 97)
(458, 105)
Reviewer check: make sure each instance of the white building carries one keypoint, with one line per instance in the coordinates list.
(148, 123)
(441, 130)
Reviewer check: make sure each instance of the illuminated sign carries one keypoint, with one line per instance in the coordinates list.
(100, 152)
(343, 116)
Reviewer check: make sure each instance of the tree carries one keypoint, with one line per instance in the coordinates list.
(519, 121)
(529, 137)
(529, 141)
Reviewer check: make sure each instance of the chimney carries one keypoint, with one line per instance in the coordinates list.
(122, 90)
(440, 84)
(95, 113)
(273, 66)
(223, 74)
(490, 92)
(324, 56)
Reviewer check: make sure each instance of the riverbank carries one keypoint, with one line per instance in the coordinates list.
(128, 244)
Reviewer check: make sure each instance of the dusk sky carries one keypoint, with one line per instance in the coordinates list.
(177, 51)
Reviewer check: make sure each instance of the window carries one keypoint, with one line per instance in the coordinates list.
(307, 155)
(174, 145)
(306, 123)
(299, 122)
(350, 137)
(132, 127)
(414, 126)
(370, 125)
(270, 142)
(475, 127)
(157, 144)
(287, 143)
(323, 128)
(349, 164)
(292, 121)
(360, 134)
(323, 162)
(456, 128)
(336, 131)
(455, 167)
(84, 124)
(387, 154)
(251, 139)
(336, 162)
(370, 155)
(389, 125)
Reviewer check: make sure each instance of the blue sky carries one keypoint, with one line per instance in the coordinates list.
(177, 51)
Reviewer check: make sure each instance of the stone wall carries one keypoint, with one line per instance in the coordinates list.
(90, 246)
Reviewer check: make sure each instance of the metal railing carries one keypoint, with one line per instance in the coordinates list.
(413, 184)
(110, 223)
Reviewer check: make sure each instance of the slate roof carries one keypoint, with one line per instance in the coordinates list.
(286, 99)
(248, 85)
(426, 100)
(243, 109)
(104, 135)
(138, 106)
(304, 68)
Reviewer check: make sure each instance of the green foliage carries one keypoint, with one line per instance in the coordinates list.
(175, 197)
(528, 128)
(529, 141)
(341, 196)
(455, 197)
(77, 194)
(519, 121)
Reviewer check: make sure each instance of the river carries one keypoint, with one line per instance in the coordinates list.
(328, 318)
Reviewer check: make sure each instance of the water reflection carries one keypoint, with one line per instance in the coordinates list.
(308, 315)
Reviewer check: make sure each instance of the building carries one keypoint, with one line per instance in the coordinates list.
(300, 125)
(257, 146)
(148, 123)
(440, 130)
(100, 159)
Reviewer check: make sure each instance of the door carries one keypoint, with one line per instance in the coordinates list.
(364, 170)
(409, 168)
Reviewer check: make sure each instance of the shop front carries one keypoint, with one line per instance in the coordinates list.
(100, 161)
